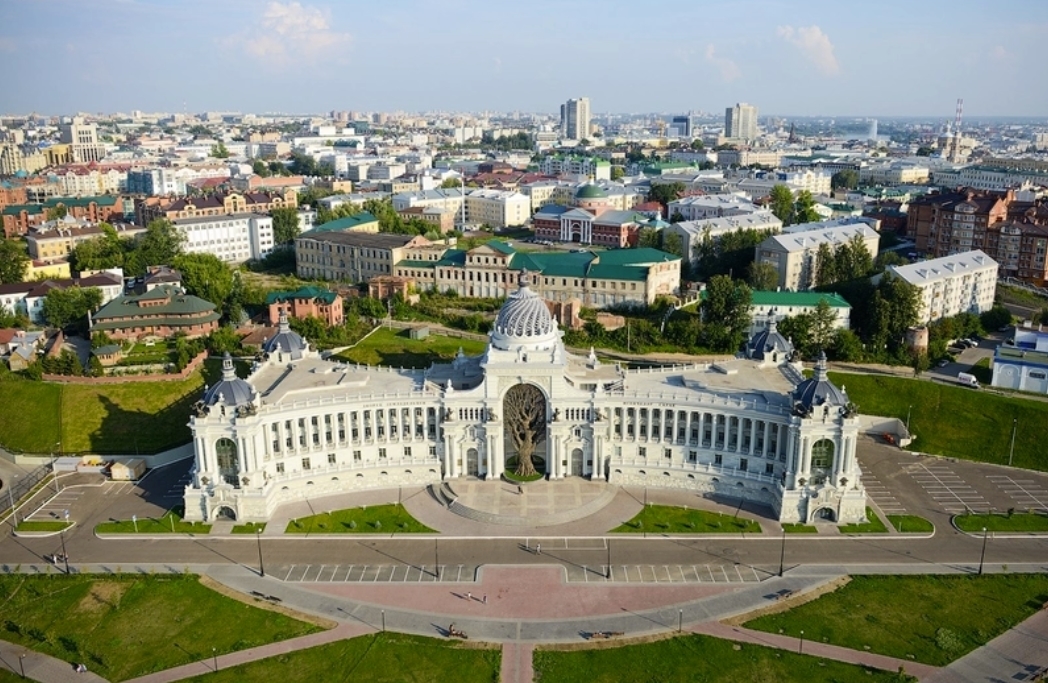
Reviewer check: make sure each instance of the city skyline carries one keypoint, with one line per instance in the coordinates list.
(787, 58)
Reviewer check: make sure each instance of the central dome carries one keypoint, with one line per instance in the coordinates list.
(590, 191)
(524, 321)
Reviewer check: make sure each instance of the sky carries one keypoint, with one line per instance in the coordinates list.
(787, 57)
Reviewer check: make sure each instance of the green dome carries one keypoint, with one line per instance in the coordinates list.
(590, 191)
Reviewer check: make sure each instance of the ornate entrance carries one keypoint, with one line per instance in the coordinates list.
(472, 463)
(576, 462)
(225, 513)
(525, 409)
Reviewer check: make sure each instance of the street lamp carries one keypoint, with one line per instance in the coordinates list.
(436, 559)
(1011, 451)
(800, 649)
(782, 551)
(258, 537)
(11, 497)
(21, 664)
(608, 574)
(61, 534)
(908, 411)
(54, 472)
(982, 555)
(214, 656)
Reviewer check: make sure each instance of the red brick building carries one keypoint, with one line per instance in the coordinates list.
(161, 312)
(306, 302)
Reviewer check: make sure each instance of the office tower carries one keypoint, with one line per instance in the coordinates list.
(740, 122)
(83, 138)
(575, 119)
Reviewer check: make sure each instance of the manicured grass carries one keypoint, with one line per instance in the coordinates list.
(696, 658)
(1019, 521)
(379, 658)
(873, 526)
(800, 528)
(171, 522)
(249, 528)
(121, 419)
(934, 618)
(33, 525)
(395, 348)
(127, 626)
(911, 524)
(659, 519)
(955, 421)
(377, 519)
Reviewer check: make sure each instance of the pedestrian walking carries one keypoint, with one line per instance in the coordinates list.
(469, 596)
(520, 490)
(538, 548)
(485, 599)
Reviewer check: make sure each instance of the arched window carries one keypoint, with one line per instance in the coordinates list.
(228, 466)
(821, 459)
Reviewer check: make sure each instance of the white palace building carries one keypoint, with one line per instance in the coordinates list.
(300, 427)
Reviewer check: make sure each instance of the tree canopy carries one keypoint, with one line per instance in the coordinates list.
(782, 203)
(64, 308)
(159, 245)
(726, 312)
(730, 253)
(845, 179)
(666, 193)
(205, 276)
(13, 261)
(285, 225)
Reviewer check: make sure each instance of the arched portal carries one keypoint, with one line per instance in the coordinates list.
(824, 514)
(228, 464)
(576, 462)
(821, 461)
(472, 463)
(225, 512)
(524, 408)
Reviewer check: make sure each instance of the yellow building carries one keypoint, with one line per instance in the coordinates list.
(48, 270)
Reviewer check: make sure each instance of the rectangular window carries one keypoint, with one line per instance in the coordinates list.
(407, 451)
(433, 450)
(280, 468)
(356, 456)
(769, 469)
(382, 453)
(693, 457)
(744, 464)
(718, 459)
(305, 463)
(331, 459)
(642, 452)
(667, 453)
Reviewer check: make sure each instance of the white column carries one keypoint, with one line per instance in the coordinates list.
(806, 458)
(451, 464)
(753, 436)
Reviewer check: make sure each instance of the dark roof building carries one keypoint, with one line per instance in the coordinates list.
(161, 312)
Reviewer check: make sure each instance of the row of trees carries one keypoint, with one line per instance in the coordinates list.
(848, 261)
(389, 220)
(160, 244)
(793, 211)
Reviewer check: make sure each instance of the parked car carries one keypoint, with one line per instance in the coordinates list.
(943, 363)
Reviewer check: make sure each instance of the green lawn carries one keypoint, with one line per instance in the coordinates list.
(171, 522)
(800, 528)
(42, 525)
(122, 419)
(665, 519)
(376, 519)
(934, 618)
(873, 526)
(911, 524)
(1019, 521)
(127, 626)
(378, 658)
(697, 658)
(955, 421)
(395, 349)
(249, 528)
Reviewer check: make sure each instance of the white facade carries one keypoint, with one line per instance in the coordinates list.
(575, 119)
(698, 207)
(893, 173)
(233, 238)
(692, 233)
(959, 283)
(300, 427)
(497, 208)
(1022, 362)
(740, 122)
(794, 254)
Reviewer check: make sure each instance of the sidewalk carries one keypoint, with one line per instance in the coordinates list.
(41, 667)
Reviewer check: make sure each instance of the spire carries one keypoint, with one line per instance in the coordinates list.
(228, 371)
(525, 279)
(282, 322)
(820, 368)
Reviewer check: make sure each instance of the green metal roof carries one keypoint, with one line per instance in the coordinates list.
(590, 191)
(347, 223)
(762, 298)
(308, 292)
(181, 304)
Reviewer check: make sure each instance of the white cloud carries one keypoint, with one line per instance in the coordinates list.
(814, 45)
(729, 70)
(291, 33)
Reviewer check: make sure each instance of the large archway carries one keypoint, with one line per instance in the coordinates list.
(821, 461)
(472, 462)
(576, 462)
(228, 463)
(524, 408)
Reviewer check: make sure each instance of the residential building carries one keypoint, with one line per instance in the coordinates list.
(959, 283)
(300, 427)
(53, 269)
(594, 168)
(28, 297)
(358, 222)
(19, 218)
(304, 303)
(749, 157)
(443, 221)
(11, 193)
(56, 239)
(699, 207)
(218, 204)
(598, 279)
(82, 181)
(740, 122)
(497, 208)
(20, 158)
(778, 305)
(954, 222)
(575, 119)
(233, 238)
(350, 256)
(166, 181)
(794, 254)
(83, 138)
(1019, 248)
(1021, 363)
(446, 199)
(894, 173)
(692, 233)
(161, 312)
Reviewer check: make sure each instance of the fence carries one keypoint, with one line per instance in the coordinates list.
(122, 379)
(14, 490)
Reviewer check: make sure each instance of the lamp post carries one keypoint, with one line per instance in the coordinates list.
(383, 621)
(61, 534)
(436, 559)
(1011, 451)
(800, 649)
(680, 620)
(54, 472)
(11, 498)
(608, 574)
(782, 551)
(982, 555)
(21, 664)
(908, 411)
(214, 657)
(258, 537)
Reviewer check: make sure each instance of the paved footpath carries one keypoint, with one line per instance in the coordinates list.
(517, 664)
(40, 667)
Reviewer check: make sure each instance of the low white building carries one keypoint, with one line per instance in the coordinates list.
(233, 238)
(781, 305)
(794, 254)
(692, 233)
(959, 283)
(497, 208)
(699, 207)
(1022, 362)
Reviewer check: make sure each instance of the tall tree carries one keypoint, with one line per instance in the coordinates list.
(782, 203)
(825, 266)
(260, 168)
(451, 183)
(64, 308)
(666, 193)
(726, 313)
(762, 277)
(525, 408)
(107, 250)
(205, 276)
(13, 261)
(823, 325)
(219, 151)
(672, 243)
(159, 245)
(285, 225)
(804, 210)
(845, 179)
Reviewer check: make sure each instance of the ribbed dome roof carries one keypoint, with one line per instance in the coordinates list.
(769, 343)
(524, 319)
(286, 340)
(590, 191)
(818, 390)
(230, 390)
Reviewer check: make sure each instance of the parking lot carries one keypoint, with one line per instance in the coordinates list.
(947, 489)
(1025, 491)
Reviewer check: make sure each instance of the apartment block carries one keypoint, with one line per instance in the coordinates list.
(959, 283)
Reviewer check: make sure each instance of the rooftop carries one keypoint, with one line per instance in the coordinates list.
(944, 267)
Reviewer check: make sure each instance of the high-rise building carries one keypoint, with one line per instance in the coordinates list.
(83, 137)
(575, 119)
(740, 122)
(683, 126)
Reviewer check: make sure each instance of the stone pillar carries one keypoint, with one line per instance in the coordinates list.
(450, 465)
(753, 436)
(767, 440)
(805, 468)
(791, 465)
